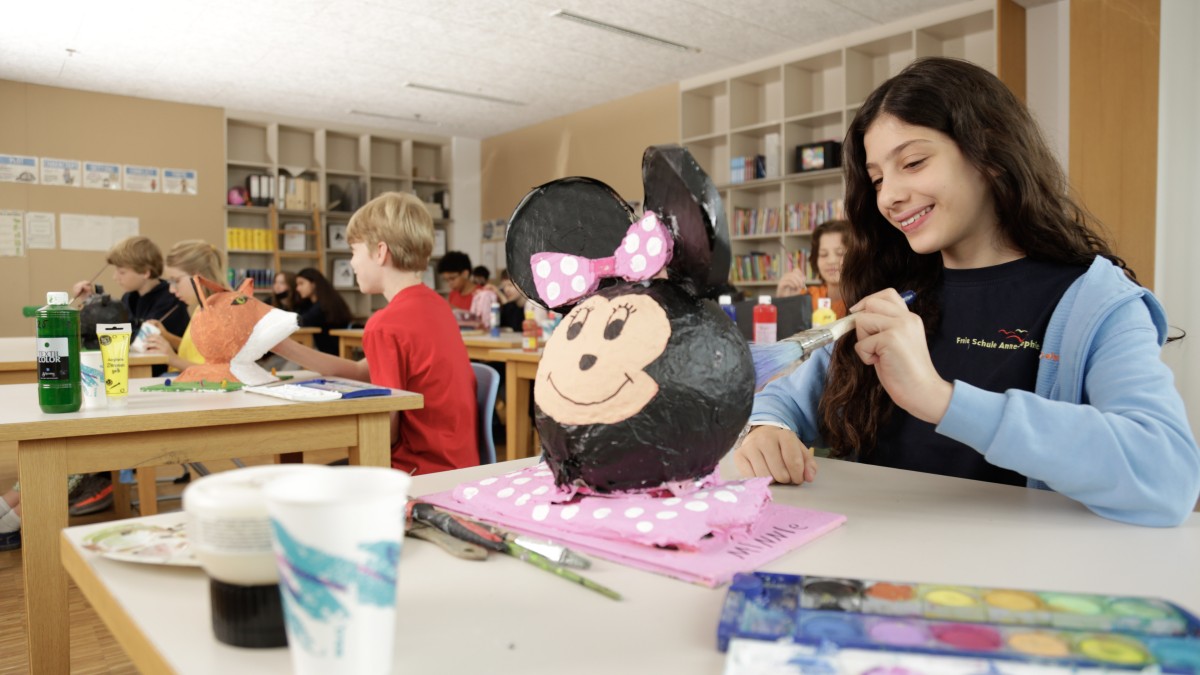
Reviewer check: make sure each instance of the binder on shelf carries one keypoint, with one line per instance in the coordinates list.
(439, 243)
(295, 238)
(772, 147)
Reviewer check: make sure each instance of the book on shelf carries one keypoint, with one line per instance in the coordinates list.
(343, 274)
(295, 237)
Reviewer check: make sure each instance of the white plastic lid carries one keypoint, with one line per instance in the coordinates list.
(764, 299)
(56, 298)
(824, 303)
(725, 299)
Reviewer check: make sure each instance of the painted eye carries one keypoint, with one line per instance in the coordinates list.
(240, 300)
(577, 325)
(616, 323)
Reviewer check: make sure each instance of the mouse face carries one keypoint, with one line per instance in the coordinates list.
(595, 372)
(645, 381)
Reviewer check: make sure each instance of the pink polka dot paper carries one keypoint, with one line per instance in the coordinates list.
(561, 278)
(530, 496)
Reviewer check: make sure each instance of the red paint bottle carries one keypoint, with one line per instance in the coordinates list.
(766, 319)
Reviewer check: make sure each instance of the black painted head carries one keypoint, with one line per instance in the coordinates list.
(643, 382)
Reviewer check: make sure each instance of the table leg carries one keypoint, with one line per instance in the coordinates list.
(374, 440)
(43, 475)
(519, 391)
(147, 482)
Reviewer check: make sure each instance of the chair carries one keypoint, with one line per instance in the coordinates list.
(487, 383)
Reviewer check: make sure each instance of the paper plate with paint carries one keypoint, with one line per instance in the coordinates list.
(143, 543)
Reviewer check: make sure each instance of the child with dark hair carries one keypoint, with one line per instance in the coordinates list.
(325, 308)
(829, 241)
(1030, 355)
(472, 302)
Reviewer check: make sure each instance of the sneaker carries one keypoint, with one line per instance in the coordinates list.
(95, 494)
(10, 541)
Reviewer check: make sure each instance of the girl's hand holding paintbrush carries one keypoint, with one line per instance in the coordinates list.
(892, 339)
(889, 337)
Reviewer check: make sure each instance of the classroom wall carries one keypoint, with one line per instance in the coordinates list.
(70, 124)
(604, 142)
(1178, 200)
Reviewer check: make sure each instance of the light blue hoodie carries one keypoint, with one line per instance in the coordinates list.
(1105, 425)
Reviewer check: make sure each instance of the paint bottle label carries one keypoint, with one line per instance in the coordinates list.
(59, 386)
(726, 302)
(824, 313)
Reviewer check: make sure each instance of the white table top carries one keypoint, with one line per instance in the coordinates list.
(21, 418)
(21, 352)
(503, 616)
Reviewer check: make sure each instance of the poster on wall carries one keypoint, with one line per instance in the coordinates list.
(140, 178)
(101, 176)
(12, 233)
(122, 227)
(64, 172)
(86, 233)
(39, 230)
(18, 169)
(343, 274)
(179, 181)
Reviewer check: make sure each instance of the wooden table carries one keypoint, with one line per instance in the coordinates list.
(902, 526)
(479, 344)
(349, 339)
(156, 429)
(304, 336)
(18, 361)
(520, 369)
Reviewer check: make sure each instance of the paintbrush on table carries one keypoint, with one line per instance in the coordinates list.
(772, 359)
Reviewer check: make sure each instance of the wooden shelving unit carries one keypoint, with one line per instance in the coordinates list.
(356, 165)
(770, 106)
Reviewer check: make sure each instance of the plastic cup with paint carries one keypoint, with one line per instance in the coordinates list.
(91, 376)
(230, 534)
(337, 538)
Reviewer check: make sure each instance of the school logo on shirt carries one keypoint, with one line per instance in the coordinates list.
(1006, 339)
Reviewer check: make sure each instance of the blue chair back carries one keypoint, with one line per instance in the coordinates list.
(487, 383)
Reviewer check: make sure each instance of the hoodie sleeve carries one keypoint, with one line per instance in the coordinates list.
(792, 400)
(1126, 452)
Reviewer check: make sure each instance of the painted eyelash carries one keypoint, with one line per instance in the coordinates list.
(629, 310)
(581, 315)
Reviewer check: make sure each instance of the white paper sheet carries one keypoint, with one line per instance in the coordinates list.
(123, 226)
(140, 178)
(39, 230)
(180, 181)
(62, 172)
(12, 233)
(18, 169)
(101, 176)
(86, 233)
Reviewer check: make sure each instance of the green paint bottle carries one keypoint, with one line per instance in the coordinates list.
(59, 389)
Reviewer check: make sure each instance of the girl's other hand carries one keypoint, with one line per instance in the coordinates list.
(157, 344)
(775, 453)
(790, 284)
(892, 339)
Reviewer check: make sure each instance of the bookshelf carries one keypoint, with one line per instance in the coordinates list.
(769, 107)
(324, 175)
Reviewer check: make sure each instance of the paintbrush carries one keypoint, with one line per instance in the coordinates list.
(92, 280)
(772, 359)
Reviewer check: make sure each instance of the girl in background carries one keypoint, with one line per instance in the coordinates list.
(284, 295)
(1030, 355)
(185, 260)
(327, 309)
(825, 256)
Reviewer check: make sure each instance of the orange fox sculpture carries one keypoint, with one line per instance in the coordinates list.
(232, 330)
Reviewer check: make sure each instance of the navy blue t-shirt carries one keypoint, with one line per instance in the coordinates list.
(993, 322)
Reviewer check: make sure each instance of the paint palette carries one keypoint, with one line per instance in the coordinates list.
(1000, 626)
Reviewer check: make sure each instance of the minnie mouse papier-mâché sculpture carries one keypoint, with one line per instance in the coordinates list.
(645, 382)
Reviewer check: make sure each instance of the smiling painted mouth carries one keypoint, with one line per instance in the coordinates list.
(550, 381)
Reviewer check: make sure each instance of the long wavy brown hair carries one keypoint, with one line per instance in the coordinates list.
(1036, 214)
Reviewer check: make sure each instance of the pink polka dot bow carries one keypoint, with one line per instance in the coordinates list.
(561, 278)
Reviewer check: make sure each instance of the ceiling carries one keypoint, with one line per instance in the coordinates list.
(322, 59)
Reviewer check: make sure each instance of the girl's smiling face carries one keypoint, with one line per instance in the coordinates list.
(927, 189)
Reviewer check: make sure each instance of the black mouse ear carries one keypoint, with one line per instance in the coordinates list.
(577, 216)
(682, 195)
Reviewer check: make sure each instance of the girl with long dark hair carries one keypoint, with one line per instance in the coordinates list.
(327, 309)
(1030, 355)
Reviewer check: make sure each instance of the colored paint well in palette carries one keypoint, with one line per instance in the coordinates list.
(1056, 630)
